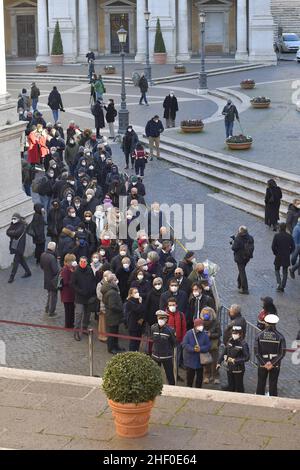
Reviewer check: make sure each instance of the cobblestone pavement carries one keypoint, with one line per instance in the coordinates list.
(54, 351)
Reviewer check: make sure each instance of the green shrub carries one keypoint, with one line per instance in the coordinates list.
(57, 46)
(132, 377)
(159, 46)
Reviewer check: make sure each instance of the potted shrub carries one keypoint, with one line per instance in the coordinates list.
(192, 125)
(179, 68)
(260, 102)
(57, 51)
(131, 382)
(239, 142)
(248, 84)
(160, 53)
(110, 69)
(41, 68)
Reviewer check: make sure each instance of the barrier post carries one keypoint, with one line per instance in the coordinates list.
(91, 351)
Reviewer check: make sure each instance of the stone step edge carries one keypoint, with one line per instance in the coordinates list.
(169, 391)
(237, 204)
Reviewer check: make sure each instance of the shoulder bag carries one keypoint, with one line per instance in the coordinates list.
(205, 358)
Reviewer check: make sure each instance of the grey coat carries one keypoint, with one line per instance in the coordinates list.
(113, 304)
(50, 267)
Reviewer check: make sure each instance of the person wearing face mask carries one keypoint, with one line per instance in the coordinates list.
(134, 195)
(141, 159)
(134, 313)
(45, 190)
(36, 229)
(113, 312)
(17, 234)
(234, 355)
(152, 301)
(235, 319)
(174, 292)
(66, 243)
(200, 273)
(197, 302)
(141, 283)
(123, 273)
(166, 253)
(97, 266)
(90, 202)
(71, 218)
(187, 264)
(164, 342)
(84, 284)
(102, 321)
(195, 342)
(153, 130)
(168, 271)
(82, 186)
(67, 294)
(50, 267)
(129, 144)
(55, 221)
(154, 268)
(71, 151)
(155, 221)
(116, 262)
(170, 106)
(183, 282)
(177, 321)
(212, 328)
(90, 228)
(67, 202)
(142, 250)
(136, 183)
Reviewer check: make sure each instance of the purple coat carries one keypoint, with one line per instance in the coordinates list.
(67, 293)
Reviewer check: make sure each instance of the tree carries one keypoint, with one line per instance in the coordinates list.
(57, 46)
(159, 46)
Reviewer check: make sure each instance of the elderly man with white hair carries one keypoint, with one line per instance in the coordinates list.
(50, 267)
(243, 248)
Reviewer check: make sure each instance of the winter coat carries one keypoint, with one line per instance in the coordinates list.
(66, 244)
(99, 87)
(111, 113)
(191, 358)
(33, 148)
(198, 277)
(185, 285)
(134, 312)
(55, 222)
(143, 84)
(35, 92)
(97, 112)
(143, 287)
(178, 322)
(74, 221)
(123, 277)
(154, 129)
(186, 267)
(49, 265)
(236, 321)
(230, 112)
(46, 186)
(293, 214)
(171, 107)
(213, 329)
(283, 246)
(272, 201)
(130, 141)
(55, 101)
(37, 225)
(164, 342)
(296, 234)
(70, 153)
(84, 284)
(17, 232)
(152, 305)
(181, 298)
(113, 304)
(241, 254)
(237, 350)
(196, 305)
(67, 293)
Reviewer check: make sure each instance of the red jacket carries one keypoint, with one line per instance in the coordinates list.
(33, 149)
(178, 322)
(67, 293)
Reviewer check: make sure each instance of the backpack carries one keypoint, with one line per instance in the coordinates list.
(37, 181)
(248, 249)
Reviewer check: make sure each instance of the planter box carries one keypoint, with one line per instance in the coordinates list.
(131, 420)
(247, 86)
(110, 71)
(41, 68)
(241, 146)
(260, 105)
(191, 129)
(57, 59)
(160, 58)
(180, 69)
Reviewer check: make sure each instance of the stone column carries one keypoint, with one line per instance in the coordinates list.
(242, 30)
(42, 24)
(261, 32)
(183, 42)
(141, 31)
(93, 23)
(83, 25)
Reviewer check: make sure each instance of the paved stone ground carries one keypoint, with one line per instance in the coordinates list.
(55, 414)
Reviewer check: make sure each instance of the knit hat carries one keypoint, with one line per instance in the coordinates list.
(134, 179)
(198, 322)
(52, 246)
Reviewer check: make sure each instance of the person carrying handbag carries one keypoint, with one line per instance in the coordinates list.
(196, 345)
(17, 234)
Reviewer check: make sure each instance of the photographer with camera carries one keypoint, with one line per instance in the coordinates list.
(243, 248)
(55, 103)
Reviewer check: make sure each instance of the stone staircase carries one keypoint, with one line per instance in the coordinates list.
(235, 182)
(286, 14)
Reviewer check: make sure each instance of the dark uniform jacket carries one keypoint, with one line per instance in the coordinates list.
(270, 347)
(164, 342)
(237, 350)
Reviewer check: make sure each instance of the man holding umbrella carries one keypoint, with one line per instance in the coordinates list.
(230, 112)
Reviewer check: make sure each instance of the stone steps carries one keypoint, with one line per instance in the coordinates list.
(286, 14)
(238, 183)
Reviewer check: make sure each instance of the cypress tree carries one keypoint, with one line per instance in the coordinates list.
(57, 46)
(159, 46)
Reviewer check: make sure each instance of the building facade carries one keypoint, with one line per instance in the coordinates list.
(244, 28)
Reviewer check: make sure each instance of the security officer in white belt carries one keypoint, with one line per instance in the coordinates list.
(269, 349)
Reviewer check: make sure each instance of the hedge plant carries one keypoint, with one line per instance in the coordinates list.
(132, 377)
(159, 46)
(57, 46)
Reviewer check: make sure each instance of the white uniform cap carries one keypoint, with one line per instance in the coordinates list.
(271, 319)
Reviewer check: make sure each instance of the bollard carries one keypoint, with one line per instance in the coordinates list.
(91, 351)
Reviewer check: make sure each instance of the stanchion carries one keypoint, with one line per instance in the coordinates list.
(91, 351)
(175, 369)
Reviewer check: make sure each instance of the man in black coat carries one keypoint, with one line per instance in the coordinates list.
(17, 234)
(66, 243)
(171, 107)
(50, 267)
(293, 215)
(235, 319)
(55, 103)
(184, 283)
(84, 284)
(143, 85)
(187, 264)
(283, 246)
(230, 112)
(97, 111)
(243, 248)
(153, 129)
(180, 296)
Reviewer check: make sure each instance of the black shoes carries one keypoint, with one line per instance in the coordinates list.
(292, 274)
(26, 275)
(245, 292)
(280, 289)
(11, 280)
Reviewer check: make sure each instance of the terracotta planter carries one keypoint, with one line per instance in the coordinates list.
(191, 129)
(131, 420)
(57, 59)
(247, 86)
(180, 69)
(260, 105)
(242, 146)
(41, 68)
(160, 58)
(110, 71)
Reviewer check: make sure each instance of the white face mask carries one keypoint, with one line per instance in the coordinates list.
(14, 221)
(102, 253)
(161, 322)
(136, 296)
(73, 215)
(196, 294)
(126, 266)
(146, 247)
(77, 206)
(89, 198)
(95, 260)
(123, 253)
(145, 268)
(88, 219)
(74, 264)
(158, 286)
(200, 328)
(140, 277)
(69, 198)
(235, 337)
(172, 309)
(174, 289)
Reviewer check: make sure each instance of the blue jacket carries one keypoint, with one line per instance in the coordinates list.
(154, 129)
(191, 358)
(296, 234)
